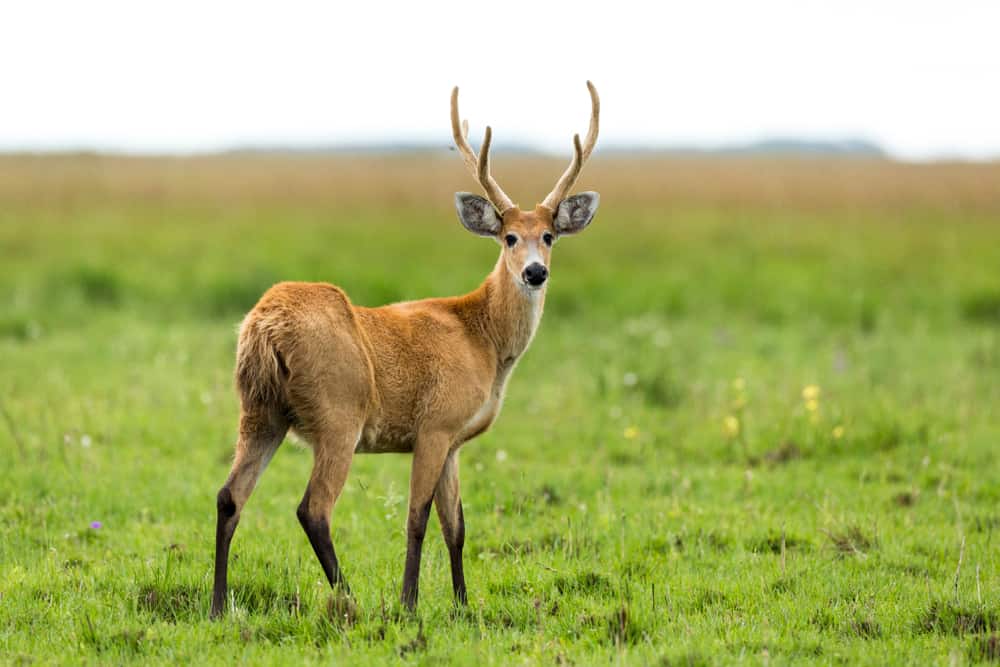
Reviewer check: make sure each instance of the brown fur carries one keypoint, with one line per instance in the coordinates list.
(401, 369)
(421, 376)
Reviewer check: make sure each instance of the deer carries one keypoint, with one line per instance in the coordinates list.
(421, 377)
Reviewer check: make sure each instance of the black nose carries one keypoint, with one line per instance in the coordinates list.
(535, 274)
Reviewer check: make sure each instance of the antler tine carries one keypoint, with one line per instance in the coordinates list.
(493, 191)
(568, 178)
(483, 168)
(478, 165)
(580, 153)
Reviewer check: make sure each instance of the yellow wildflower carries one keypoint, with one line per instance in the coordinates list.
(731, 425)
(810, 392)
(631, 433)
(739, 384)
(812, 405)
(838, 432)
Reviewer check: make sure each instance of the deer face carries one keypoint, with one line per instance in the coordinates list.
(527, 237)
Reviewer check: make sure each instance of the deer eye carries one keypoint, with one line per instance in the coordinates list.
(510, 240)
(548, 238)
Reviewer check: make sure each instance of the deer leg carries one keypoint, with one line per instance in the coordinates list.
(332, 461)
(429, 456)
(261, 432)
(448, 502)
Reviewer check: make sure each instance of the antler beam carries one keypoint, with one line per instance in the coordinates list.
(580, 154)
(478, 165)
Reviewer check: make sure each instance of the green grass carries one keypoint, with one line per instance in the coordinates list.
(611, 515)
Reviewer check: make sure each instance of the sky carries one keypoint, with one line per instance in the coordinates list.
(922, 79)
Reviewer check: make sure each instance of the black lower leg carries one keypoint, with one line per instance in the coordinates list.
(318, 531)
(416, 528)
(225, 527)
(455, 545)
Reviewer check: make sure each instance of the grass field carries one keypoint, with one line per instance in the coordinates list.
(756, 426)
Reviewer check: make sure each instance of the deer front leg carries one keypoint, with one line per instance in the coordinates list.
(448, 502)
(429, 457)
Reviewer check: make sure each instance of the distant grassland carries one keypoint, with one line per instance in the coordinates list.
(428, 180)
(757, 424)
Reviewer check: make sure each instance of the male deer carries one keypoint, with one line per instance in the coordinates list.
(422, 376)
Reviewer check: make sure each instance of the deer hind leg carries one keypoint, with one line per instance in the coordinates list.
(262, 429)
(448, 502)
(429, 457)
(333, 451)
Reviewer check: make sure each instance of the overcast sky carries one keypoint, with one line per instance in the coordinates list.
(920, 78)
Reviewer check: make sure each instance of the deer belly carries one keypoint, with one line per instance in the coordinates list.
(386, 439)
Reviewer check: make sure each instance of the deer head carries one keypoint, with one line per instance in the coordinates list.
(526, 236)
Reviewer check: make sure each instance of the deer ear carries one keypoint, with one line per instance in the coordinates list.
(477, 214)
(576, 212)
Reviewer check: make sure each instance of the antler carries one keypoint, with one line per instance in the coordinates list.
(479, 166)
(580, 154)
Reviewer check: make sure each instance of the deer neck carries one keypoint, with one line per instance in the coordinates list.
(511, 313)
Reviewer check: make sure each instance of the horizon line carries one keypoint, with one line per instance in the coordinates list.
(776, 146)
